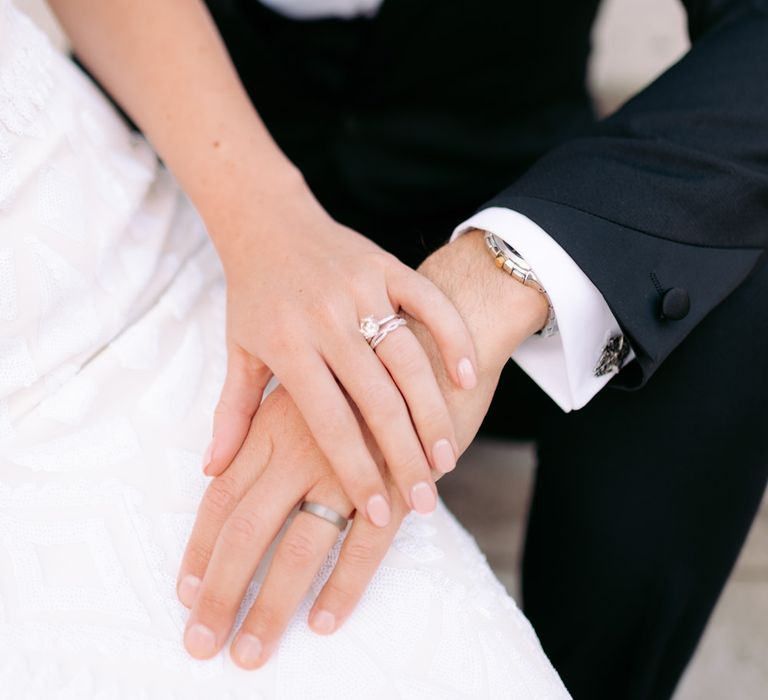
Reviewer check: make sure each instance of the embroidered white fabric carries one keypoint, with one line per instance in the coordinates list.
(112, 354)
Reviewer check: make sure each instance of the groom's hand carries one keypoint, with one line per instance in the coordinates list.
(280, 465)
(499, 311)
(242, 512)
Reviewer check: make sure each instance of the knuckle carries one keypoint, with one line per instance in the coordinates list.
(221, 495)
(342, 597)
(262, 617)
(410, 361)
(229, 407)
(240, 530)
(326, 418)
(455, 334)
(436, 418)
(333, 428)
(359, 482)
(411, 462)
(326, 309)
(303, 446)
(387, 260)
(214, 605)
(360, 279)
(252, 367)
(382, 404)
(297, 550)
(287, 328)
(279, 342)
(360, 553)
(339, 440)
(198, 555)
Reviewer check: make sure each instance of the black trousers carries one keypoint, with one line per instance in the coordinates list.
(642, 501)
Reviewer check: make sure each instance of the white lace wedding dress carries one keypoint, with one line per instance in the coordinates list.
(111, 358)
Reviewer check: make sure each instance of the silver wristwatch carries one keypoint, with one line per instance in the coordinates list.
(514, 264)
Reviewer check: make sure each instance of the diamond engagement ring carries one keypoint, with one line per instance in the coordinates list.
(374, 331)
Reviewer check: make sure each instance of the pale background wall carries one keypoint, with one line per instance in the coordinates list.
(634, 41)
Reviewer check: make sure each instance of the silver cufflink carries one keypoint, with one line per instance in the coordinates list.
(614, 354)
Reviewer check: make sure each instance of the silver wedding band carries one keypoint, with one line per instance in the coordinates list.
(375, 330)
(325, 513)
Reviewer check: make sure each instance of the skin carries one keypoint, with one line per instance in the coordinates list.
(245, 506)
(298, 281)
(353, 429)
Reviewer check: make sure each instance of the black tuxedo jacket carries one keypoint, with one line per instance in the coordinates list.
(406, 123)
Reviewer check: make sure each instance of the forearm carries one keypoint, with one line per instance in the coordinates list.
(499, 312)
(166, 65)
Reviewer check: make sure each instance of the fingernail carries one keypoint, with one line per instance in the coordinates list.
(443, 456)
(208, 456)
(247, 650)
(423, 498)
(188, 589)
(378, 510)
(467, 376)
(200, 641)
(323, 622)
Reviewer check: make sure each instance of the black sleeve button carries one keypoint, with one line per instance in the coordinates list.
(675, 304)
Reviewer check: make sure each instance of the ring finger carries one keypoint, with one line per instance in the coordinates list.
(385, 412)
(299, 555)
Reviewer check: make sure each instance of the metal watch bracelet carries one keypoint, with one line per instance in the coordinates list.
(510, 261)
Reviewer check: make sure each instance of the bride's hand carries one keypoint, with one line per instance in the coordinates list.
(298, 285)
(298, 281)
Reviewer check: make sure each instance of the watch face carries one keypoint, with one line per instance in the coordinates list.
(518, 259)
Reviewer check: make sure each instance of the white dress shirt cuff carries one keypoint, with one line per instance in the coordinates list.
(563, 364)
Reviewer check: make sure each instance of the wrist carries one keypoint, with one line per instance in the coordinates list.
(500, 311)
(253, 212)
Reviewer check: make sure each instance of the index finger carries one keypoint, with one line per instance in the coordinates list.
(221, 497)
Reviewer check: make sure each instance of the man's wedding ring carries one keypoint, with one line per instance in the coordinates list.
(325, 513)
(375, 330)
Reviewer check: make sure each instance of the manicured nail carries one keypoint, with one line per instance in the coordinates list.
(423, 498)
(247, 650)
(188, 589)
(378, 510)
(467, 376)
(323, 622)
(200, 641)
(207, 457)
(443, 456)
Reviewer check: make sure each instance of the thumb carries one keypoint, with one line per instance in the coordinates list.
(246, 379)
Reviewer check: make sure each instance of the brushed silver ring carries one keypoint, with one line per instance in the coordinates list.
(325, 513)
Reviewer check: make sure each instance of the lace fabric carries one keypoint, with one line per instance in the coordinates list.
(112, 354)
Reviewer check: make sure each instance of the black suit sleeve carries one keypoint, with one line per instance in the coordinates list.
(672, 190)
